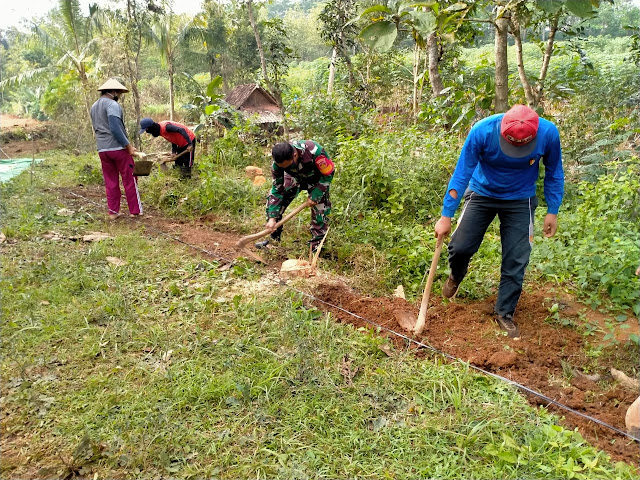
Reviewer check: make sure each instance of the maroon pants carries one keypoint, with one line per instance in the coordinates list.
(114, 164)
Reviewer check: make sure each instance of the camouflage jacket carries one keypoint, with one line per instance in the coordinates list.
(314, 172)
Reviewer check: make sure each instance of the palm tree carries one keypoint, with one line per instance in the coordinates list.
(167, 33)
(70, 40)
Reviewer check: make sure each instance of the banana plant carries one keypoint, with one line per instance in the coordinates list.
(210, 105)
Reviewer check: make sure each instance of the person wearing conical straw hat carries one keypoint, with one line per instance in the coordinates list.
(115, 150)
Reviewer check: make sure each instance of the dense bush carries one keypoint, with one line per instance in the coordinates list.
(324, 118)
(596, 248)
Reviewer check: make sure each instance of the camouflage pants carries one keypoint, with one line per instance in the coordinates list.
(319, 212)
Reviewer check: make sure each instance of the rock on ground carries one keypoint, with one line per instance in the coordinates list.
(295, 268)
(632, 419)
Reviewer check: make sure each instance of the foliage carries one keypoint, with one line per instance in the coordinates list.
(596, 249)
(386, 188)
(213, 380)
(61, 96)
(208, 107)
(307, 42)
(323, 118)
(460, 105)
(219, 191)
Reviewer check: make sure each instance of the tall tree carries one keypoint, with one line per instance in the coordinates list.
(167, 33)
(427, 23)
(549, 16)
(340, 33)
(501, 23)
(279, 55)
(71, 39)
(256, 32)
(275, 65)
(211, 31)
(136, 30)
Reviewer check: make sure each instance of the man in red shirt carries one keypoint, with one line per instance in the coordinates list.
(181, 139)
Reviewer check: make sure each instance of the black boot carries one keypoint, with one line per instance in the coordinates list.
(275, 237)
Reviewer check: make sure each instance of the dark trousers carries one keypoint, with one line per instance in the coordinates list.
(516, 235)
(185, 162)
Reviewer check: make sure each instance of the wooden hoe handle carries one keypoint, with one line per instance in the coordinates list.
(427, 289)
(174, 158)
(244, 240)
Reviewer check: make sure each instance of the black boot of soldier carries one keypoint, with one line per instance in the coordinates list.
(274, 237)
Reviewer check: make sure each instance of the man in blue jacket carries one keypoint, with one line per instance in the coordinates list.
(496, 173)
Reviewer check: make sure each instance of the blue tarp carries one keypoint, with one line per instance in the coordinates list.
(12, 167)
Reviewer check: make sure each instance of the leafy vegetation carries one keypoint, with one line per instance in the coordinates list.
(164, 365)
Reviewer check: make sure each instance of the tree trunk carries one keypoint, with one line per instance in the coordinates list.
(211, 70)
(347, 59)
(416, 66)
(502, 68)
(285, 123)
(548, 51)
(425, 69)
(433, 50)
(133, 46)
(528, 91)
(263, 63)
(256, 33)
(171, 99)
(332, 70)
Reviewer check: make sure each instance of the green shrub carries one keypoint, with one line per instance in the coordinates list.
(596, 248)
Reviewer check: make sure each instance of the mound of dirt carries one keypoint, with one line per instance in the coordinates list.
(547, 358)
(23, 137)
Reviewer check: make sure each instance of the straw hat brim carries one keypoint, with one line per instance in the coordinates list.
(113, 84)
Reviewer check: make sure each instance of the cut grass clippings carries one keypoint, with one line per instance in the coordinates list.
(161, 366)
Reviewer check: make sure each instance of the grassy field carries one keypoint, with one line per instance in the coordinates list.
(161, 365)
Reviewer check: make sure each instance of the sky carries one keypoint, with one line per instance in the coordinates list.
(13, 12)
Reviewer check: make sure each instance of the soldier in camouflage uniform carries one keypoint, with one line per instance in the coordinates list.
(300, 165)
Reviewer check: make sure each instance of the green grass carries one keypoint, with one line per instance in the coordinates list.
(166, 366)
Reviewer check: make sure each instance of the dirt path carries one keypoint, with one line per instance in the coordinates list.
(23, 137)
(550, 358)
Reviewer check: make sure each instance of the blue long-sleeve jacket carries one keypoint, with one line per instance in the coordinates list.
(487, 171)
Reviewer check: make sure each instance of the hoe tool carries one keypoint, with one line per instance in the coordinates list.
(241, 244)
(146, 161)
(406, 319)
(163, 162)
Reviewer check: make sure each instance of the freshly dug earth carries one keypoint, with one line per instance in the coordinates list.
(548, 358)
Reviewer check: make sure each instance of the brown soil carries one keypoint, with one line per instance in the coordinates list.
(548, 358)
(8, 122)
(23, 137)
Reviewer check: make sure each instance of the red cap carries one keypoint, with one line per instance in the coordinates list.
(519, 125)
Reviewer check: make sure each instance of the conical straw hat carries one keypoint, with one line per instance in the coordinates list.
(113, 84)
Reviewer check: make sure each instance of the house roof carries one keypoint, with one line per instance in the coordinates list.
(239, 95)
(253, 101)
(262, 117)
